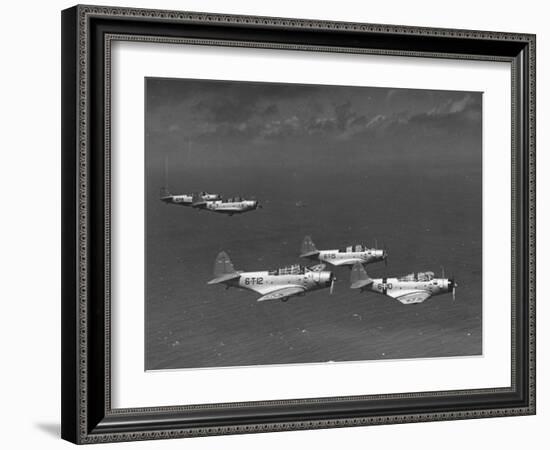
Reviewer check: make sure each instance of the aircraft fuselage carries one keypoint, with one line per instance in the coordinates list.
(265, 281)
(230, 208)
(187, 199)
(395, 286)
(184, 199)
(337, 257)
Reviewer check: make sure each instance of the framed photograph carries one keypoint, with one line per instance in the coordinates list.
(278, 224)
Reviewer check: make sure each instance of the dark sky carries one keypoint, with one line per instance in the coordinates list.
(225, 123)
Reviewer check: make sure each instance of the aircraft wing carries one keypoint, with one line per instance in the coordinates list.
(409, 297)
(284, 292)
(345, 262)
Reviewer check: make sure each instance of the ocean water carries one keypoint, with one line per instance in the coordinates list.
(427, 215)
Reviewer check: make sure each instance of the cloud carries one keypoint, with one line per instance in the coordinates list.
(341, 121)
(321, 125)
(290, 126)
(452, 106)
(268, 112)
(464, 109)
(227, 109)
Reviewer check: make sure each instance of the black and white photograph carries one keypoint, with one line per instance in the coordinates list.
(301, 223)
(274, 219)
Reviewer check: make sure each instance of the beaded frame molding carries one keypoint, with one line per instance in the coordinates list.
(87, 35)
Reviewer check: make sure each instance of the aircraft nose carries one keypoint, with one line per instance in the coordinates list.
(451, 284)
(329, 278)
(383, 255)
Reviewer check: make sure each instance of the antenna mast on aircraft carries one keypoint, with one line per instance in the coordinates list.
(165, 190)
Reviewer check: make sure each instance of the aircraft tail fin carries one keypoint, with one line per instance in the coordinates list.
(198, 200)
(308, 249)
(223, 269)
(358, 277)
(223, 265)
(165, 195)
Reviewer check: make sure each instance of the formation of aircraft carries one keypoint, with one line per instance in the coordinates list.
(207, 201)
(408, 289)
(347, 256)
(278, 284)
(297, 280)
(211, 202)
(187, 199)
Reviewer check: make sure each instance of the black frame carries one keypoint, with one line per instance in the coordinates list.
(87, 32)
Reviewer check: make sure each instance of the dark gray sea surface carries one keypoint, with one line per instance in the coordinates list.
(426, 218)
(344, 165)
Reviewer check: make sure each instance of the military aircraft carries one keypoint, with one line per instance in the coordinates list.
(278, 284)
(236, 205)
(411, 288)
(186, 199)
(346, 256)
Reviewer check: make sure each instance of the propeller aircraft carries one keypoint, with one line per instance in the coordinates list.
(236, 205)
(186, 199)
(346, 256)
(278, 284)
(409, 289)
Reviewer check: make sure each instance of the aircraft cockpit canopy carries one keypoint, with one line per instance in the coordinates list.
(425, 276)
(420, 276)
(353, 248)
(294, 269)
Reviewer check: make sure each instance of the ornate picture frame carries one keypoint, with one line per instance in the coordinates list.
(88, 33)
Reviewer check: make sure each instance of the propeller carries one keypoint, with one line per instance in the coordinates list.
(453, 285)
(385, 254)
(333, 279)
(258, 205)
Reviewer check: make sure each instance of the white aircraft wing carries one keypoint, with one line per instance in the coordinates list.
(317, 267)
(345, 262)
(282, 292)
(410, 296)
